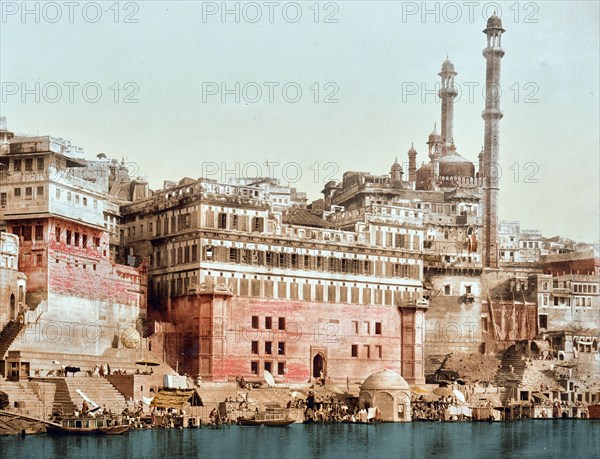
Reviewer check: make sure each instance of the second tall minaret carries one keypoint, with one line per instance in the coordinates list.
(492, 116)
(447, 94)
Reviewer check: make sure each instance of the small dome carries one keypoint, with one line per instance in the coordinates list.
(494, 22)
(447, 66)
(435, 135)
(396, 166)
(412, 149)
(385, 379)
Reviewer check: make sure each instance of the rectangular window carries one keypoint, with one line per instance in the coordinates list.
(281, 323)
(378, 328)
(2, 199)
(543, 321)
(268, 323)
(354, 351)
(69, 196)
(97, 242)
(257, 224)
(447, 289)
(255, 322)
(57, 234)
(28, 192)
(281, 348)
(355, 327)
(39, 232)
(27, 233)
(17, 165)
(268, 366)
(268, 347)
(76, 238)
(222, 221)
(379, 351)
(367, 349)
(85, 201)
(281, 368)
(40, 191)
(255, 347)
(29, 164)
(84, 241)
(40, 164)
(254, 368)
(68, 237)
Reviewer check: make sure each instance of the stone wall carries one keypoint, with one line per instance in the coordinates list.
(218, 335)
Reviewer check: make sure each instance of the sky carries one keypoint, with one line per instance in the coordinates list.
(305, 91)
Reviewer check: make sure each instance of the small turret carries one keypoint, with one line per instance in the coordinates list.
(396, 172)
(412, 163)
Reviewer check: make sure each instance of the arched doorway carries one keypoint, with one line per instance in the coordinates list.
(13, 308)
(318, 365)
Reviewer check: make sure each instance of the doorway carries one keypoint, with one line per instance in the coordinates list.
(318, 365)
(13, 308)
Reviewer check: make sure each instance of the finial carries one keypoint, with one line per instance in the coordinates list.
(447, 57)
(412, 145)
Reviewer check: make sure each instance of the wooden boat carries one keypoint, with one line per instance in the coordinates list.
(101, 425)
(257, 422)
(274, 416)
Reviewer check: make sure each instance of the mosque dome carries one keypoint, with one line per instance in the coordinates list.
(385, 380)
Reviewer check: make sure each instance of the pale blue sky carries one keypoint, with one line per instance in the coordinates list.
(371, 53)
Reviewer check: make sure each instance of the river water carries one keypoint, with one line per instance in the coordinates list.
(566, 439)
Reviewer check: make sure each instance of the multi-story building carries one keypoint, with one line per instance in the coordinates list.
(253, 289)
(77, 297)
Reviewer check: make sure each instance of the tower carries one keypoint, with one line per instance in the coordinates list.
(447, 94)
(412, 164)
(396, 173)
(491, 116)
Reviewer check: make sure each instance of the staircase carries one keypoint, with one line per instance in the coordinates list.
(8, 335)
(511, 371)
(22, 398)
(62, 398)
(97, 389)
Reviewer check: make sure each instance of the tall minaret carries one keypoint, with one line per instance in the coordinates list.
(447, 93)
(492, 116)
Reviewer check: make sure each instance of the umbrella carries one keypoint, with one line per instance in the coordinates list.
(148, 363)
(443, 391)
(419, 391)
(269, 378)
(459, 395)
(335, 390)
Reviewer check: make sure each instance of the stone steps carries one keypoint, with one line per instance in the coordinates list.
(97, 389)
(27, 400)
(8, 335)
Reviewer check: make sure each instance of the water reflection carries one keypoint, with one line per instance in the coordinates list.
(524, 439)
